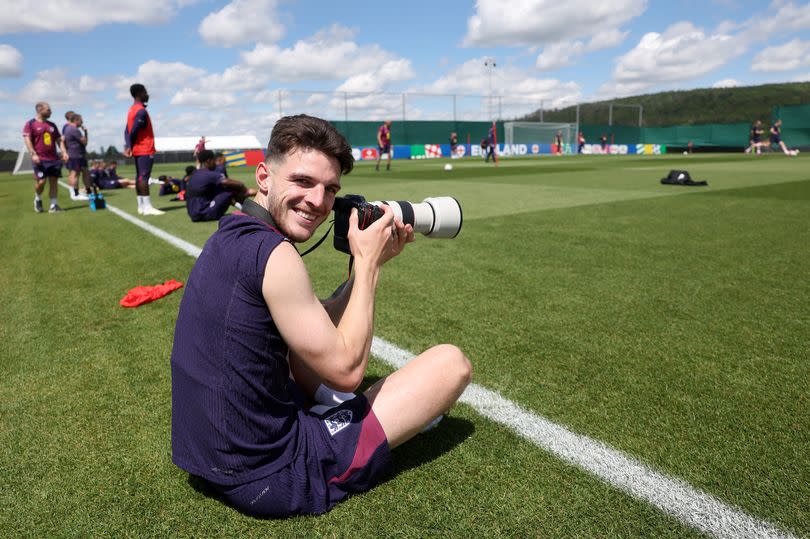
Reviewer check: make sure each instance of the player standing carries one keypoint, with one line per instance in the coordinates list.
(40, 137)
(75, 137)
(139, 142)
(384, 144)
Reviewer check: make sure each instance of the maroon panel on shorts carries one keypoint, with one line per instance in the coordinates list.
(343, 451)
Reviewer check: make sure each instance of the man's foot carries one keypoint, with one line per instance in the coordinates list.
(433, 424)
(151, 211)
(55, 209)
(377, 168)
(77, 196)
(38, 206)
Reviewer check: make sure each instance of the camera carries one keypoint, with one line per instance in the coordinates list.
(435, 217)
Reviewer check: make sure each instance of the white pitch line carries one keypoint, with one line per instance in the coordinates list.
(672, 496)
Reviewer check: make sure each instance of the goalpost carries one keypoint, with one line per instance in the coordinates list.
(539, 132)
(24, 165)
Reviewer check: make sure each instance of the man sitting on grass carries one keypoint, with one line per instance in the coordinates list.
(249, 319)
(209, 193)
(108, 178)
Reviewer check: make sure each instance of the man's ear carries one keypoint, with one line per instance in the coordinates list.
(263, 177)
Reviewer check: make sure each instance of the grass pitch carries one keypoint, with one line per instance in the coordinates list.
(669, 322)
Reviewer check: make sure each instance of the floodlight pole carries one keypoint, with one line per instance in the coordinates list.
(610, 114)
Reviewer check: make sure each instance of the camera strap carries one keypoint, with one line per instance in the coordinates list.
(250, 207)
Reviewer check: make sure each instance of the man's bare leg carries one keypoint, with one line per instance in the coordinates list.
(409, 399)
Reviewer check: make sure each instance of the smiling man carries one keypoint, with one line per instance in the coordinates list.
(264, 374)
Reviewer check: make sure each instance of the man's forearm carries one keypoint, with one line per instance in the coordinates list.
(357, 322)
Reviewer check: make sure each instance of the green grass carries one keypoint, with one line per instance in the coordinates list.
(669, 322)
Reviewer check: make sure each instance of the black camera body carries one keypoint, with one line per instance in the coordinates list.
(367, 213)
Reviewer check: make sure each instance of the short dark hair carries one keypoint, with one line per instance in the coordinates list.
(69, 115)
(205, 155)
(136, 89)
(307, 132)
(190, 170)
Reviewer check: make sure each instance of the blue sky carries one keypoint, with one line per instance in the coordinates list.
(230, 68)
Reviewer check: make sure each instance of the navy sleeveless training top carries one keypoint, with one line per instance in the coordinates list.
(234, 407)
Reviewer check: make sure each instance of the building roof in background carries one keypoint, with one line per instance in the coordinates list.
(187, 144)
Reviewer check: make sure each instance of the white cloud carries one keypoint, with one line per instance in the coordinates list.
(536, 22)
(726, 83)
(10, 62)
(794, 54)
(328, 55)
(513, 83)
(158, 77)
(788, 17)
(683, 52)
(378, 79)
(805, 77)
(564, 53)
(239, 77)
(559, 55)
(204, 99)
(83, 15)
(55, 87)
(243, 21)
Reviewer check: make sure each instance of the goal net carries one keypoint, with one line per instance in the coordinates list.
(539, 132)
(24, 165)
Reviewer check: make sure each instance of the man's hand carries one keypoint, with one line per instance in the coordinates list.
(35, 158)
(379, 242)
(127, 152)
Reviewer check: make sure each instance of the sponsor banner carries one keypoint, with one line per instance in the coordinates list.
(245, 158)
(435, 151)
(610, 149)
(427, 151)
(235, 159)
(651, 149)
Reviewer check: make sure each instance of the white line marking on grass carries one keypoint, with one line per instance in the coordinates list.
(183, 245)
(672, 496)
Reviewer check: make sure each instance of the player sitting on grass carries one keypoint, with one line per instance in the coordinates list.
(249, 319)
(175, 186)
(108, 178)
(210, 193)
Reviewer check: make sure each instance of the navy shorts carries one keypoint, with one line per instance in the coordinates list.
(110, 184)
(48, 169)
(77, 163)
(776, 140)
(342, 451)
(384, 149)
(143, 167)
(215, 209)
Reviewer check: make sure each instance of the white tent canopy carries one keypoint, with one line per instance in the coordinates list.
(187, 144)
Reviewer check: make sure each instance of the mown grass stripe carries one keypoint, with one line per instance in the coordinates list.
(672, 496)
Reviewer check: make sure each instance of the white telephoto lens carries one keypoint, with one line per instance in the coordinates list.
(447, 217)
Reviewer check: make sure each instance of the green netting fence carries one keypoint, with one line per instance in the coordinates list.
(795, 132)
(416, 132)
(795, 124)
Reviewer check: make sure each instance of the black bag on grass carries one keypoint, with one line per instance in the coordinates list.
(680, 177)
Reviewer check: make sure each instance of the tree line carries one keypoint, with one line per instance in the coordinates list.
(686, 107)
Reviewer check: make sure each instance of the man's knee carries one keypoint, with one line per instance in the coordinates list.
(454, 363)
